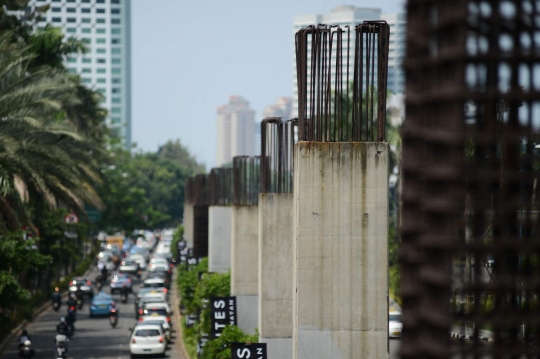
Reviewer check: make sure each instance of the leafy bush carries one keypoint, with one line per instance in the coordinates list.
(211, 285)
(220, 348)
(177, 237)
(187, 284)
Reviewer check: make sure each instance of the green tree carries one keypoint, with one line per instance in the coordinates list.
(179, 155)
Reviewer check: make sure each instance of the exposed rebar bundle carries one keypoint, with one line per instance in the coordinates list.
(221, 186)
(247, 180)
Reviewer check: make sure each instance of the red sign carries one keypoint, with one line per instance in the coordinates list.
(71, 218)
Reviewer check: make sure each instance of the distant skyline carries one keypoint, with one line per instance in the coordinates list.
(189, 57)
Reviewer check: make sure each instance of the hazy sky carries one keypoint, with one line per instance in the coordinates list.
(189, 56)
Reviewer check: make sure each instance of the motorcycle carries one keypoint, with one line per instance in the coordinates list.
(113, 318)
(80, 303)
(99, 285)
(72, 310)
(56, 306)
(60, 352)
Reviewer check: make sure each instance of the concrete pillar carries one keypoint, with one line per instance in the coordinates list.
(189, 225)
(341, 251)
(219, 238)
(276, 273)
(244, 265)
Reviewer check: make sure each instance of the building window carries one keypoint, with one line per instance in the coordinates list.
(56, 0)
(86, 61)
(86, 80)
(86, 71)
(100, 51)
(85, 11)
(100, 21)
(85, 1)
(115, 21)
(100, 61)
(115, 51)
(71, 19)
(115, 2)
(71, 59)
(115, 11)
(115, 31)
(116, 80)
(116, 90)
(71, 70)
(86, 31)
(100, 31)
(115, 100)
(71, 30)
(86, 20)
(41, 19)
(56, 9)
(101, 71)
(116, 71)
(85, 40)
(100, 11)
(101, 81)
(116, 110)
(101, 91)
(100, 41)
(70, 0)
(71, 9)
(56, 19)
(116, 61)
(116, 120)
(100, 1)
(115, 41)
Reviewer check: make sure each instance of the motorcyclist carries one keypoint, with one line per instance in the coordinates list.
(23, 337)
(72, 300)
(61, 343)
(56, 296)
(113, 311)
(27, 352)
(124, 290)
(62, 327)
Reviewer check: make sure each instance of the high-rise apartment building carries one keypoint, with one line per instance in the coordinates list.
(347, 15)
(396, 75)
(105, 27)
(235, 130)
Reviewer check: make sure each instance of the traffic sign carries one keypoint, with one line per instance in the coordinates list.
(71, 218)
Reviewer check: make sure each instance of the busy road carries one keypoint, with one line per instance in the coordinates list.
(94, 337)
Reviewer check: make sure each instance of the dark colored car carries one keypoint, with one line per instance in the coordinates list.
(84, 283)
(120, 280)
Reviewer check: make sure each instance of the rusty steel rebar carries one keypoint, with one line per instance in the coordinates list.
(470, 252)
(336, 102)
(277, 139)
(221, 186)
(247, 180)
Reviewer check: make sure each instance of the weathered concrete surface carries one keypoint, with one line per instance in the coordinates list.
(219, 238)
(246, 312)
(276, 267)
(189, 224)
(278, 348)
(340, 251)
(244, 250)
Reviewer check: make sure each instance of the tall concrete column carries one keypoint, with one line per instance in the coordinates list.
(244, 265)
(219, 238)
(276, 273)
(341, 251)
(189, 225)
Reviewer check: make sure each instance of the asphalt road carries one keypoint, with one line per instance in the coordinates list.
(94, 337)
(394, 348)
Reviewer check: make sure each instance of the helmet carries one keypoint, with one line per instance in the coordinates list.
(27, 343)
(56, 289)
(62, 320)
(25, 331)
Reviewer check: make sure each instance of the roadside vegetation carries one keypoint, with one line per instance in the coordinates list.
(57, 156)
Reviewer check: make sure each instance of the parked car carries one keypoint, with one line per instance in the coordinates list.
(147, 339)
(120, 280)
(100, 304)
(394, 324)
(84, 283)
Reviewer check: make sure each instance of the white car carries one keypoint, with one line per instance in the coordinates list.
(159, 265)
(162, 296)
(394, 324)
(157, 261)
(147, 339)
(163, 248)
(129, 265)
(139, 259)
(156, 305)
(159, 318)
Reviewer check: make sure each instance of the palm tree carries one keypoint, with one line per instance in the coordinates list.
(40, 154)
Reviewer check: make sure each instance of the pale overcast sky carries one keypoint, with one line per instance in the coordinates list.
(189, 56)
